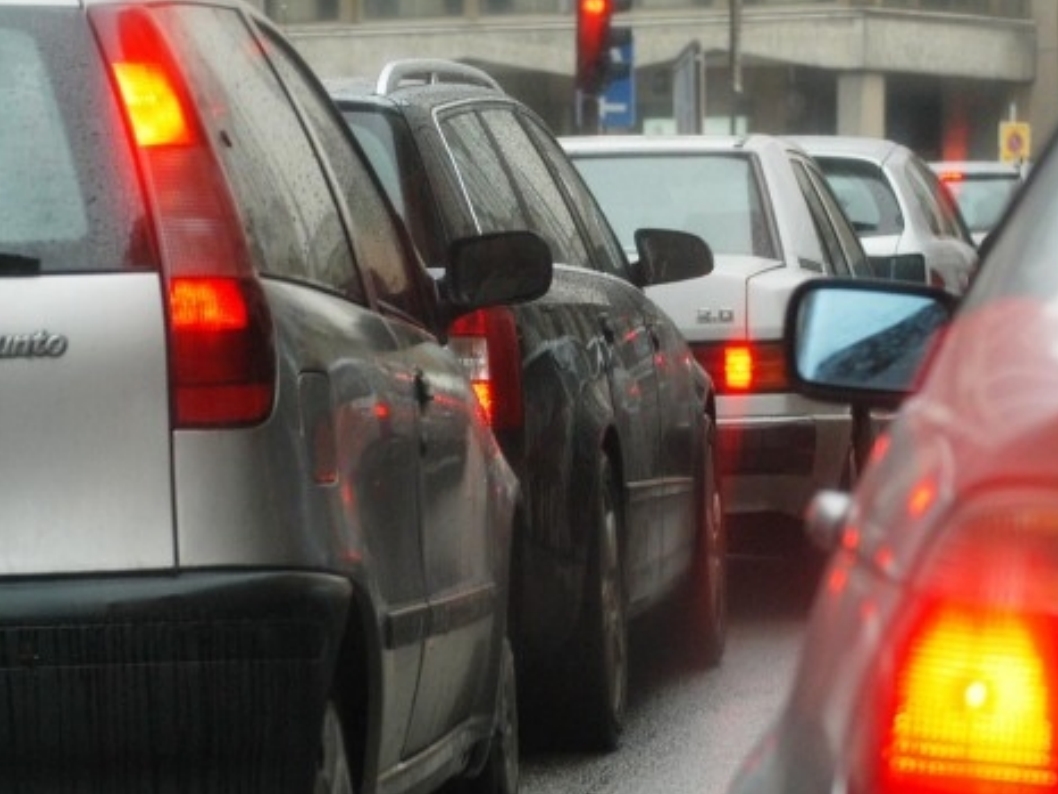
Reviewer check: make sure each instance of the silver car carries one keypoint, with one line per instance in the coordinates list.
(908, 222)
(765, 209)
(256, 535)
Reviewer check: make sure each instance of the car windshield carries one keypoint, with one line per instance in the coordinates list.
(713, 195)
(982, 197)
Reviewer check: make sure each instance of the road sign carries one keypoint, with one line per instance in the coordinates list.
(617, 104)
(1015, 141)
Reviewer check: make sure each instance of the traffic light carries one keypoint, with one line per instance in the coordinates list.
(596, 39)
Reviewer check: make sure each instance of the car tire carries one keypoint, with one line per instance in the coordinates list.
(501, 773)
(707, 588)
(601, 685)
(332, 773)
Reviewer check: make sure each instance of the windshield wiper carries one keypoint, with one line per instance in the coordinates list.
(18, 265)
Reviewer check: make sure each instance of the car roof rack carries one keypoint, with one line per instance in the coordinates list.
(431, 70)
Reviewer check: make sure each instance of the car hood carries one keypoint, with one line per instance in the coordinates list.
(743, 298)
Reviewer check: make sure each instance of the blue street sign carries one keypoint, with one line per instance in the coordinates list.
(617, 104)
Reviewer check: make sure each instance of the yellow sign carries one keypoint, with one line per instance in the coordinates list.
(1015, 141)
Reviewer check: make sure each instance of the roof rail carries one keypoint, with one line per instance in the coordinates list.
(430, 70)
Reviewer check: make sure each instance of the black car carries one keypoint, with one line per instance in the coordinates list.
(592, 392)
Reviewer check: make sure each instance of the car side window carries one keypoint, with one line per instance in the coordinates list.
(851, 247)
(828, 240)
(605, 247)
(487, 184)
(397, 279)
(544, 203)
(294, 225)
(942, 201)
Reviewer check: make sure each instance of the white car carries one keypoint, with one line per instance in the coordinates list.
(909, 224)
(772, 222)
(982, 189)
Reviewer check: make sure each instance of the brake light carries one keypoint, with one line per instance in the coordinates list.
(741, 367)
(221, 348)
(486, 343)
(974, 681)
(951, 176)
(972, 707)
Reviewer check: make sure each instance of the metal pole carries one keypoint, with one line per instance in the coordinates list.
(735, 50)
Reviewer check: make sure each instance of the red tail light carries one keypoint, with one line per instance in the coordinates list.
(486, 342)
(741, 367)
(220, 334)
(974, 688)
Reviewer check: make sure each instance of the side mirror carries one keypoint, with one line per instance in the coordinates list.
(667, 255)
(862, 342)
(493, 269)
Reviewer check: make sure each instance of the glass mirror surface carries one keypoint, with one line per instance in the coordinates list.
(865, 340)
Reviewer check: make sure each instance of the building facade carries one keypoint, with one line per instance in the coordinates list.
(938, 75)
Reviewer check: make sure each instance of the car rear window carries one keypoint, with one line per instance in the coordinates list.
(715, 196)
(70, 200)
(864, 194)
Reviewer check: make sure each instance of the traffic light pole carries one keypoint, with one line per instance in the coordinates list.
(589, 120)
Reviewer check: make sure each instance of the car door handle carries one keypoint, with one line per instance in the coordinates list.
(423, 392)
(655, 339)
(607, 328)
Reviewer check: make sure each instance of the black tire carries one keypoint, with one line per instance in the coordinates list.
(707, 589)
(501, 773)
(332, 773)
(601, 683)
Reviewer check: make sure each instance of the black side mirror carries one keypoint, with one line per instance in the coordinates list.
(493, 269)
(667, 255)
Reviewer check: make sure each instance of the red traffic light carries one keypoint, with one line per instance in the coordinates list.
(595, 38)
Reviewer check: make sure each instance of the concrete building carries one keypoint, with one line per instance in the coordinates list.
(938, 75)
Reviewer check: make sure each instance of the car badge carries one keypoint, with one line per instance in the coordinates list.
(716, 316)
(41, 344)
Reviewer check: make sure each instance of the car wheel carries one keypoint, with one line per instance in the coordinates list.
(708, 586)
(332, 774)
(603, 679)
(500, 774)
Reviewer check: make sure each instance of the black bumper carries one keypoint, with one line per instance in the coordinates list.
(194, 683)
(768, 448)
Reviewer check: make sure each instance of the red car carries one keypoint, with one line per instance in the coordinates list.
(930, 662)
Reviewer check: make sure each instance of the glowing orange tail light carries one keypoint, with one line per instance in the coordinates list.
(973, 683)
(486, 342)
(742, 367)
(222, 357)
(972, 706)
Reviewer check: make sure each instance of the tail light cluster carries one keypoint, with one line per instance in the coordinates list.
(971, 692)
(486, 343)
(744, 367)
(221, 345)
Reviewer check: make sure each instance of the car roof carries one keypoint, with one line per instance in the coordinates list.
(662, 144)
(997, 167)
(878, 149)
(424, 82)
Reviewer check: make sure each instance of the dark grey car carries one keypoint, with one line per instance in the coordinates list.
(256, 535)
(592, 392)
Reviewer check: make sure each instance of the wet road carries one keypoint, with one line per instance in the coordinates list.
(687, 729)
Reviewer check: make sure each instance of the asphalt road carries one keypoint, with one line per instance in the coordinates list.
(687, 729)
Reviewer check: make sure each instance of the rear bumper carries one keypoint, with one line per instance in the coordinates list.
(204, 682)
(774, 464)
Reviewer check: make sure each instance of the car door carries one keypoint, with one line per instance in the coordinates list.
(463, 601)
(679, 408)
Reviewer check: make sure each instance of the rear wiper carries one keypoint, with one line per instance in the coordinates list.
(18, 265)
